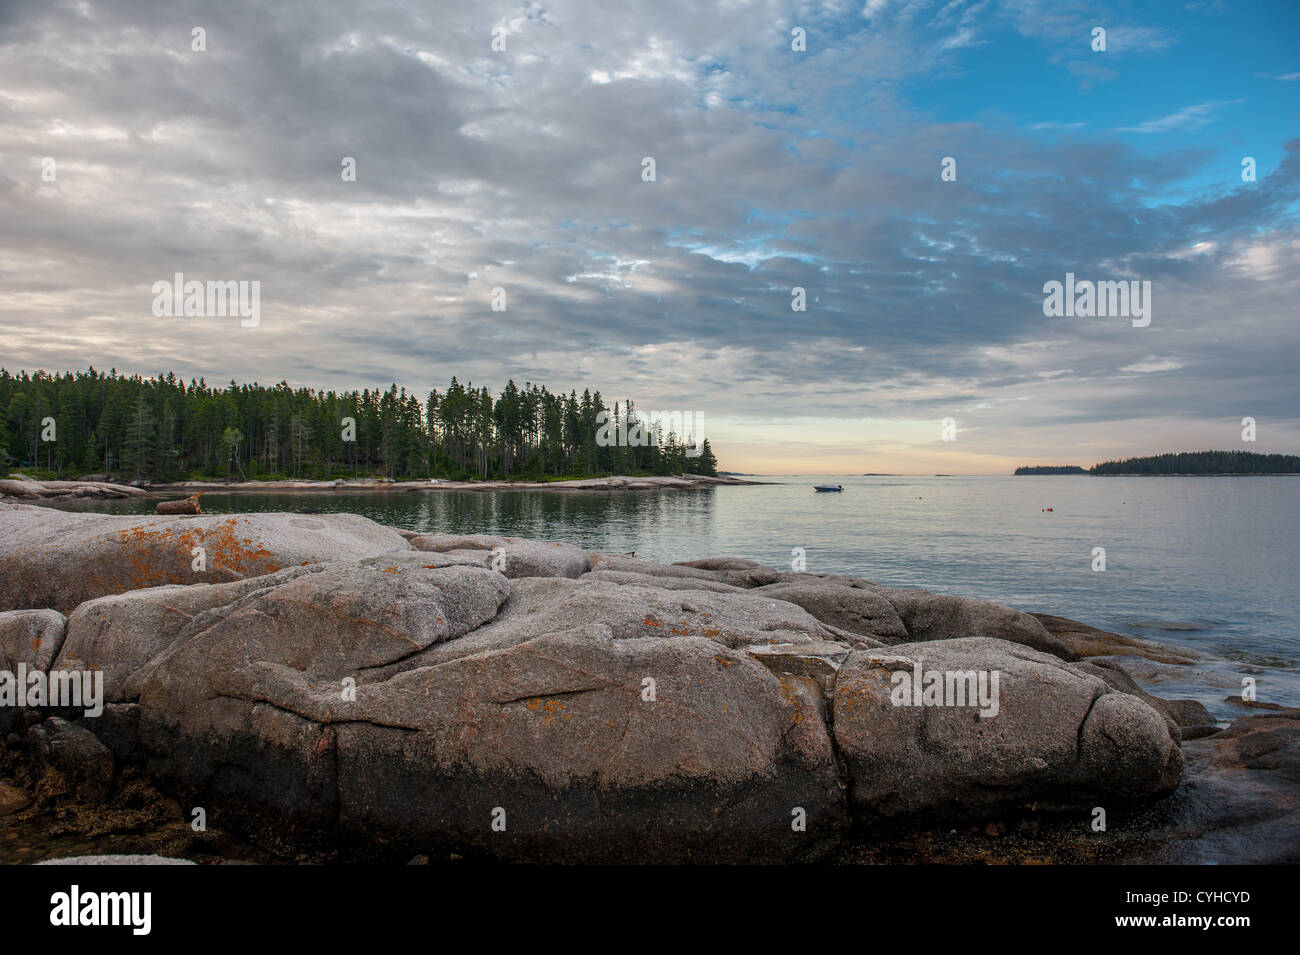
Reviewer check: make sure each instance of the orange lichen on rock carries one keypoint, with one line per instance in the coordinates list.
(549, 710)
(153, 553)
(787, 694)
(226, 552)
(851, 696)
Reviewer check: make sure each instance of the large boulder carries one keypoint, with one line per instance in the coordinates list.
(368, 616)
(559, 738)
(584, 745)
(930, 616)
(57, 559)
(855, 609)
(30, 637)
(120, 633)
(1053, 736)
(1180, 713)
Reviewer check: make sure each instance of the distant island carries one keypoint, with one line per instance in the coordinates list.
(1204, 462)
(1184, 463)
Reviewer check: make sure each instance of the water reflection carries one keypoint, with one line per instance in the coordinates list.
(613, 522)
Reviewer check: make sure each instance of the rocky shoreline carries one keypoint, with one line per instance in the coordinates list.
(680, 482)
(19, 487)
(22, 488)
(325, 688)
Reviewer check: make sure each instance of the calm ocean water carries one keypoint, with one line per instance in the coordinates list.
(1209, 563)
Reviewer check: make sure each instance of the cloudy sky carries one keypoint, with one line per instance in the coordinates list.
(775, 167)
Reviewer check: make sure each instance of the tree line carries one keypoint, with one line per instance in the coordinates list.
(163, 429)
(1050, 469)
(1204, 462)
(1184, 462)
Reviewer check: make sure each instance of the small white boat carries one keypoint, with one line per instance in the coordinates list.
(828, 487)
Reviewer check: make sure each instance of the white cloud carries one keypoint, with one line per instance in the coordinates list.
(962, 38)
(1189, 117)
(1153, 364)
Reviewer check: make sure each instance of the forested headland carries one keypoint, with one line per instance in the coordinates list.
(1185, 463)
(162, 429)
(1203, 462)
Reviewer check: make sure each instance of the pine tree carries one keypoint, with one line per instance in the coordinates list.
(706, 463)
(139, 448)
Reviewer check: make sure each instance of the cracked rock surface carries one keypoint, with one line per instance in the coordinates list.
(388, 693)
(57, 559)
